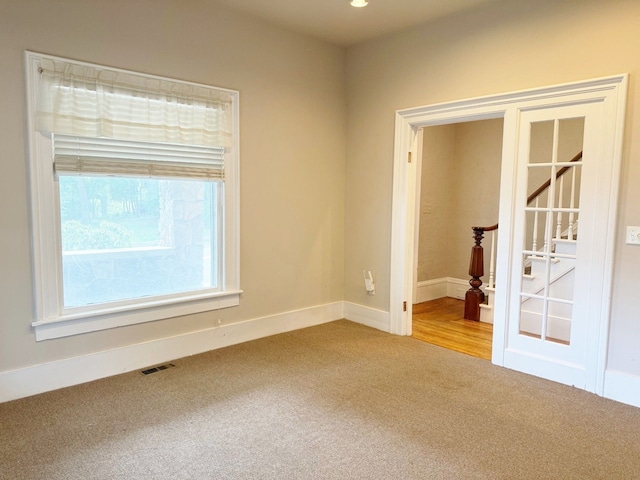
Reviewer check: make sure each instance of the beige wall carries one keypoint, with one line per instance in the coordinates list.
(460, 188)
(436, 202)
(293, 137)
(497, 48)
(478, 158)
(311, 219)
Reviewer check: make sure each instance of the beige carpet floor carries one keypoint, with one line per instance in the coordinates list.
(337, 401)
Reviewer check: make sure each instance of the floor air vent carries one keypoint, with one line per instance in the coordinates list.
(159, 368)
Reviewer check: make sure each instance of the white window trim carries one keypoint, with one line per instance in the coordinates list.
(51, 322)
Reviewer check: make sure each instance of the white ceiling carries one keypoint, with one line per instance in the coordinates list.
(338, 22)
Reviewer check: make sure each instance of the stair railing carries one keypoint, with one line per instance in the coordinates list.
(474, 297)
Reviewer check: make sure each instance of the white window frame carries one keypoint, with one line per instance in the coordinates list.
(51, 319)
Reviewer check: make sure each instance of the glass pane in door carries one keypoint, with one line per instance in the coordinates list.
(550, 229)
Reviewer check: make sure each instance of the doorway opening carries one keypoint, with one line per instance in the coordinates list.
(458, 188)
(601, 102)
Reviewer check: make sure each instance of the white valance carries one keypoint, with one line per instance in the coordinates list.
(92, 101)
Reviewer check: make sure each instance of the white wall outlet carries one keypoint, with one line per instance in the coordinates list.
(369, 284)
(633, 236)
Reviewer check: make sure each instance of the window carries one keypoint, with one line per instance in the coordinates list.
(134, 186)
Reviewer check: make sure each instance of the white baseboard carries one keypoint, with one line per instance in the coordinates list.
(370, 317)
(441, 287)
(49, 376)
(622, 387)
(32, 380)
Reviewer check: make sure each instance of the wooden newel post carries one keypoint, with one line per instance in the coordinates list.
(474, 296)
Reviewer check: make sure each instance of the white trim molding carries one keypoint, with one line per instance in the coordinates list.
(67, 372)
(440, 287)
(139, 313)
(368, 316)
(622, 387)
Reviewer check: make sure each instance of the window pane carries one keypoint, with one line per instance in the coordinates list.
(127, 238)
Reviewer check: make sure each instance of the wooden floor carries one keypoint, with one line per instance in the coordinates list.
(441, 323)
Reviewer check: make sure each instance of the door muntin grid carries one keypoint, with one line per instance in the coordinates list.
(550, 230)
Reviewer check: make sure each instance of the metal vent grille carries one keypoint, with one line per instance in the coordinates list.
(159, 368)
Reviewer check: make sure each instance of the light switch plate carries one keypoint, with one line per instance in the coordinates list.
(633, 236)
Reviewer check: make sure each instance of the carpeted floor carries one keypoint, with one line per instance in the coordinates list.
(337, 401)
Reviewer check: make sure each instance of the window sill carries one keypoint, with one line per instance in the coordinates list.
(77, 323)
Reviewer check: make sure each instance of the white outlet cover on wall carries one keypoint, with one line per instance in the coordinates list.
(633, 236)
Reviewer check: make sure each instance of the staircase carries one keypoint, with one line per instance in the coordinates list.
(561, 281)
(548, 271)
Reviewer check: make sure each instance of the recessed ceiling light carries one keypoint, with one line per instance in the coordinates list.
(359, 3)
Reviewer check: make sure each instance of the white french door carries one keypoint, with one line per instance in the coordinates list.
(559, 234)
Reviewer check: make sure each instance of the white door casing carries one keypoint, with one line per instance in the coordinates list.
(610, 94)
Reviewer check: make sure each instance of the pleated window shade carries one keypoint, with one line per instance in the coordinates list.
(106, 156)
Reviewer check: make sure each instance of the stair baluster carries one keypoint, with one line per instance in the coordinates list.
(536, 214)
(572, 204)
(559, 216)
(492, 262)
